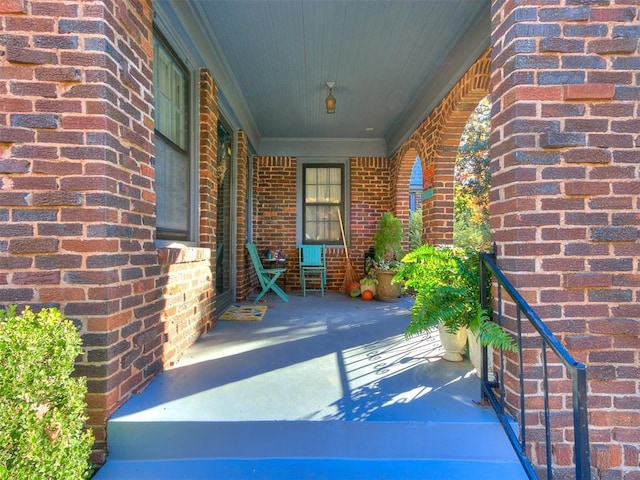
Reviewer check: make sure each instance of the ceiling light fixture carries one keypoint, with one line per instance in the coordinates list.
(330, 101)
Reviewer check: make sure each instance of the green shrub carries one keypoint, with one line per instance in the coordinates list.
(42, 407)
(387, 242)
(415, 229)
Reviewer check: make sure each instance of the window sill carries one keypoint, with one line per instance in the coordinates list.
(174, 254)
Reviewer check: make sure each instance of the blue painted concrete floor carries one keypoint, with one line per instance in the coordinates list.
(325, 388)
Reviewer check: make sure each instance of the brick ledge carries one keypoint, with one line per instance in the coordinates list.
(175, 255)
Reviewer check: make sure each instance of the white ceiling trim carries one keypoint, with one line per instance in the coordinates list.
(323, 147)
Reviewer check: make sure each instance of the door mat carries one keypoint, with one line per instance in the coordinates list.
(247, 313)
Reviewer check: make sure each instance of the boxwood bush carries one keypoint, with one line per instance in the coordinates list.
(42, 407)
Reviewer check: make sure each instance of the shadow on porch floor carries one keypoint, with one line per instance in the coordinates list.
(322, 388)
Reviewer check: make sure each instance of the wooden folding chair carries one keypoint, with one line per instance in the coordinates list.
(266, 276)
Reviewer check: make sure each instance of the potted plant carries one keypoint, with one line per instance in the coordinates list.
(387, 244)
(446, 281)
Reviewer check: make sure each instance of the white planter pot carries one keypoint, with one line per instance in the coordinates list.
(475, 353)
(453, 343)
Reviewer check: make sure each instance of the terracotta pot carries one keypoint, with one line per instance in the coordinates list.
(385, 290)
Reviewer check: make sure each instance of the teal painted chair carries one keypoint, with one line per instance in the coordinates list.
(312, 260)
(266, 276)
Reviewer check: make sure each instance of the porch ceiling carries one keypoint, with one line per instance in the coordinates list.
(392, 61)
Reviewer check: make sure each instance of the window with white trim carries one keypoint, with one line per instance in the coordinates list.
(172, 134)
(323, 197)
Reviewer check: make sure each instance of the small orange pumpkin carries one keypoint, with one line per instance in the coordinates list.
(367, 295)
(352, 286)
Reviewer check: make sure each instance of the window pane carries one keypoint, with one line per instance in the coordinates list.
(172, 184)
(336, 194)
(173, 177)
(311, 190)
(311, 194)
(170, 87)
(323, 176)
(315, 224)
(323, 198)
(323, 193)
(322, 224)
(332, 225)
(311, 176)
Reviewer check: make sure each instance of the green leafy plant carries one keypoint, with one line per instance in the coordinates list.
(42, 407)
(472, 181)
(387, 242)
(446, 283)
(415, 228)
(369, 280)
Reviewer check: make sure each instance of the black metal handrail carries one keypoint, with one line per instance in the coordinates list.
(576, 371)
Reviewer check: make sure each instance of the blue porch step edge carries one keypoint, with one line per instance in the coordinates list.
(309, 469)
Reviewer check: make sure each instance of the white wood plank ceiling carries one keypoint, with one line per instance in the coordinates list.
(392, 61)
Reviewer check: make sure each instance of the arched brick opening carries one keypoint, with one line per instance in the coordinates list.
(436, 140)
(401, 187)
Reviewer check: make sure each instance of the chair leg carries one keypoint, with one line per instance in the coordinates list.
(261, 294)
(322, 281)
(281, 293)
(272, 285)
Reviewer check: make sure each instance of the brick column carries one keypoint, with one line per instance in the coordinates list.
(565, 197)
(77, 203)
(208, 183)
(243, 263)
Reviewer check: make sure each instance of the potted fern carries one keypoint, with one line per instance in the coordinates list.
(387, 245)
(446, 283)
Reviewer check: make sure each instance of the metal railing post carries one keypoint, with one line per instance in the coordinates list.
(490, 272)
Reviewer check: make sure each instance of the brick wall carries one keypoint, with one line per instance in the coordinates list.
(77, 199)
(371, 188)
(274, 210)
(565, 197)
(274, 205)
(377, 184)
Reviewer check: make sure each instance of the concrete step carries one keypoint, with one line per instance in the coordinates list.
(322, 388)
(302, 439)
(309, 469)
(331, 450)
